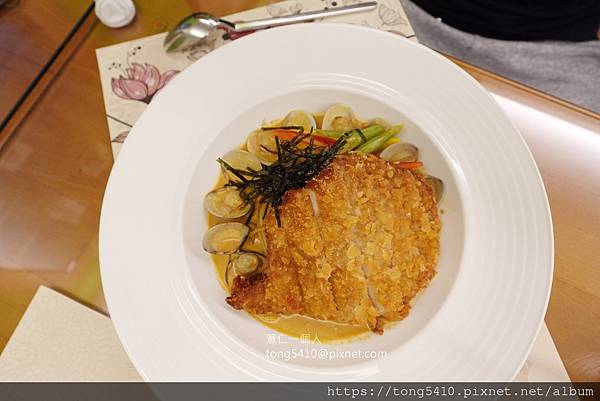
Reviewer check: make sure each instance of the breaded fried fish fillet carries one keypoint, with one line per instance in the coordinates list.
(355, 246)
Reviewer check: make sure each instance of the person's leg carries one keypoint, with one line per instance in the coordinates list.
(519, 20)
(567, 70)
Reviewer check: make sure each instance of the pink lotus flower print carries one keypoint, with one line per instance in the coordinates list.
(142, 82)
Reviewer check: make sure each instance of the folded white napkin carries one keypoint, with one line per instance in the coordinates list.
(59, 339)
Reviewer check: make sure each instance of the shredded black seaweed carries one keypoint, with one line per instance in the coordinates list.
(295, 166)
(363, 138)
(286, 127)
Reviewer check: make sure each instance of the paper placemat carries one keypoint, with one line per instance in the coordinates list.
(59, 339)
(131, 73)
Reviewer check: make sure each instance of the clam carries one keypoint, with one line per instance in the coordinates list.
(300, 118)
(261, 143)
(340, 117)
(240, 160)
(437, 185)
(245, 263)
(400, 152)
(226, 203)
(225, 238)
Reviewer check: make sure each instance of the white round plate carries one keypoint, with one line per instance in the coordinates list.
(481, 313)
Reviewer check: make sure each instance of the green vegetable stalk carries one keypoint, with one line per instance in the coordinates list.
(377, 142)
(329, 133)
(356, 137)
(368, 132)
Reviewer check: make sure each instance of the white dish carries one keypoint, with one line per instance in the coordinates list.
(481, 313)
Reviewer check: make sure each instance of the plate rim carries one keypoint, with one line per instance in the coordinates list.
(102, 238)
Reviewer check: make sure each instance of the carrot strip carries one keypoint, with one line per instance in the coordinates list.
(285, 134)
(290, 135)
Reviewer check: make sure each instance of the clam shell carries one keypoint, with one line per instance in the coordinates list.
(300, 118)
(225, 238)
(256, 143)
(339, 117)
(240, 160)
(245, 263)
(226, 203)
(437, 185)
(400, 152)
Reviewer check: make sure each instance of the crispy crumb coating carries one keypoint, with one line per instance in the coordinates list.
(355, 246)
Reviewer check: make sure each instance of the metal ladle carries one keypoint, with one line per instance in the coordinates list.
(197, 27)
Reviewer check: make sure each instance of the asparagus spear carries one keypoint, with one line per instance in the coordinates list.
(375, 143)
(368, 132)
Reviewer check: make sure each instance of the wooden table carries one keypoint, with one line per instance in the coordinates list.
(56, 159)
